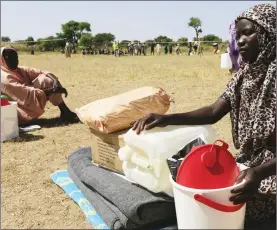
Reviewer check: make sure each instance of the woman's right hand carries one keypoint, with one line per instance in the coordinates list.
(54, 90)
(150, 121)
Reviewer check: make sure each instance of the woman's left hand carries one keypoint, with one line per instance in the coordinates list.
(246, 191)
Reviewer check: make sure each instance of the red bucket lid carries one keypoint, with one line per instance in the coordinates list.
(208, 166)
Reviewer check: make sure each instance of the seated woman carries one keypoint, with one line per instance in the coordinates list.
(31, 89)
(250, 97)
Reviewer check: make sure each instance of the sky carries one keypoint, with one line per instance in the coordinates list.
(127, 20)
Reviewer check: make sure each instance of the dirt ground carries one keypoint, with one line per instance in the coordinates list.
(29, 198)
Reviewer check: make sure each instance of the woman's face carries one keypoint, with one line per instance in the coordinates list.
(11, 59)
(247, 39)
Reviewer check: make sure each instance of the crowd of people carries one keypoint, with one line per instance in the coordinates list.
(249, 97)
(138, 49)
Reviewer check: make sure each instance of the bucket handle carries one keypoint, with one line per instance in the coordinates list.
(217, 206)
(210, 157)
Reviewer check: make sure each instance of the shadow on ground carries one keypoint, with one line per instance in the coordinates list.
(26, 137)
(49, 123)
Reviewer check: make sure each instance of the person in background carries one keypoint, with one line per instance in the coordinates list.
(143, 46)
(32, 49)
(136, 49)
(68, 49)
(166, 48)
(170, 49)
(195, 46)
(200, 47)
(116, 48)
(158, 47)
(139, 49)
(250, 98)
(189, 48)
(216, 48)
(177, 49)
(132, 49)
(233, 49)
(152, 48)
(31, 89)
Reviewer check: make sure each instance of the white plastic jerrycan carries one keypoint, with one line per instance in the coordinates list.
(144, 156)
(226, 62)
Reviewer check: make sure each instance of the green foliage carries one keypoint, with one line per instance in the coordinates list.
(79, 32)
(5, 39)
(149, 41)
(162, 39)
(183, 41)
(73, 30)
(86, 40)
(124, 43)
(48, 45)
(103, 38)
(30, 41)
(213, 38)
(196, 24)
(60, 43)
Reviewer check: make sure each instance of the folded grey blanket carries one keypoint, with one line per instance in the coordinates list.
(121, 203)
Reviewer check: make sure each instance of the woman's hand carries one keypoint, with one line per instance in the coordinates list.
(57, 86)
(61, 90)
(56, 89)
(150, 121)
(246, 191)
(56, 83)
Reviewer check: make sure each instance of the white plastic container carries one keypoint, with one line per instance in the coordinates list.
(144, 156)
(226, 62)
(9, 122)
(207, 209)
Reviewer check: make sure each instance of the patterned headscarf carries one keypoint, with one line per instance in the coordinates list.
(252, 92)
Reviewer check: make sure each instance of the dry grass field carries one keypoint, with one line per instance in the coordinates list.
(29, 199)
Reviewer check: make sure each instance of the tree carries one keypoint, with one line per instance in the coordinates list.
(5, 39)
(196, 24)
(136, 41)
(212, 38)
(163, 39)
(73, 30)
(47, 44)
(149, 41)
(124, 43)
(86, 40)
(103, 38)
(182, 41)
(60, 42)
(30, 41)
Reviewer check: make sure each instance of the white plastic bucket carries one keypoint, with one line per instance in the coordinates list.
(207, 209)
(226, 62)
(9, 122)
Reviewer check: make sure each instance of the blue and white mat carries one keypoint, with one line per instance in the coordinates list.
(62, 179)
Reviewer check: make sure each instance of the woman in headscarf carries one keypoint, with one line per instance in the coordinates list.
(31, 89)
(250, 98)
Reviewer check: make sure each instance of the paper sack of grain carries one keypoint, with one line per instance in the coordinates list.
(116, 113)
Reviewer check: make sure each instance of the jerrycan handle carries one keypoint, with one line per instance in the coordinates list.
(209, 158)
(217, 206)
